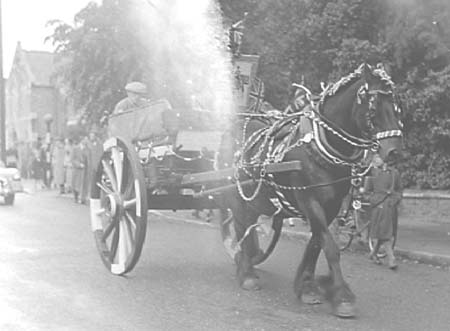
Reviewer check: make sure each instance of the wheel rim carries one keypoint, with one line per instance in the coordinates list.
(342, 233)
(265, 236)
(119, 207)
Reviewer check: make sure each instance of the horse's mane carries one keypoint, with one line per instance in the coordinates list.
(345, 81)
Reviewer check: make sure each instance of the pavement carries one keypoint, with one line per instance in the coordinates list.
(420, 241)
(423, 233)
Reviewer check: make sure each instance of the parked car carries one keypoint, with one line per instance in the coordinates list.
(10, 183)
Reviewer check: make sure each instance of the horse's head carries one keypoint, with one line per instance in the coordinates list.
(377, 113)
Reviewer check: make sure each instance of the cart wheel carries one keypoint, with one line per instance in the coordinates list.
(343, 232)
(265, 237)
(119, 206)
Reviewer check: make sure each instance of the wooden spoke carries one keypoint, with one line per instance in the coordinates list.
(114, 243)
(130, 220)
(109, 228)
(131, 227)
(128, 190)
(104, 188)
(129, 203)
(125, 244)
(109, 172)
(127, 177)
(118, 167)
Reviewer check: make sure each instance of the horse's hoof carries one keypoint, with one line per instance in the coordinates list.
(311, 298)
(251, 284)
(259, 254)
(345, 310)
(258, 257)
(375, 259)
(393, 266)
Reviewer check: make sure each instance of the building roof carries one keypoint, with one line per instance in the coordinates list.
(41, 65)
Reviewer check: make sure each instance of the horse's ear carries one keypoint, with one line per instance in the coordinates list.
(380, 66)
(384, 67)
(367, 72)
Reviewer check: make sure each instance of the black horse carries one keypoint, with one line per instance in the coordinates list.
(329, 138)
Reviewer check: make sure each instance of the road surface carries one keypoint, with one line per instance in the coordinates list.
(52, 279)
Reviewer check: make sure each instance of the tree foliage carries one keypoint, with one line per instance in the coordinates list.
(322, 40)
(311, 40)
(119, 41)
(99, 54)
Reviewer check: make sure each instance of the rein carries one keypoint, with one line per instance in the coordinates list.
(275, 152)
(266, 136)
(339, 132)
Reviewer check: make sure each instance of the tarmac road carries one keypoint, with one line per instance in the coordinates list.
(52, 279)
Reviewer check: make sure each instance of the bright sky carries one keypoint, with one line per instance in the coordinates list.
(25, 20)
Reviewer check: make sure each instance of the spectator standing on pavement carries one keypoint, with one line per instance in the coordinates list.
(68, 170)
(384, 192)
(84, 190)
(58, 165)
(36, 169)
(45, 164)
(79, 162)
(95, 149)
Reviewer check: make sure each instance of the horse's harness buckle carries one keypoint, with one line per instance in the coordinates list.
(375, 146)
(262, 171)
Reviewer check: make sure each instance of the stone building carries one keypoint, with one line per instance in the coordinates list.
(35, 107)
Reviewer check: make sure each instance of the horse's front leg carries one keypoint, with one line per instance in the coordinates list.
(246, 273)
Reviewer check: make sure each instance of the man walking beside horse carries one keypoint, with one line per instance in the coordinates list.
(384, 192)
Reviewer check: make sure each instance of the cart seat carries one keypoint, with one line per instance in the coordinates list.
(198, 140)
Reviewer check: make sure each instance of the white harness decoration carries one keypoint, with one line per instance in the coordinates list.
(272, 151)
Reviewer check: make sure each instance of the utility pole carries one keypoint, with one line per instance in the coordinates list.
(2, 97)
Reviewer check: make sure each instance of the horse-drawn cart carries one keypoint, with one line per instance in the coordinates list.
(138, 172)
(274, 164)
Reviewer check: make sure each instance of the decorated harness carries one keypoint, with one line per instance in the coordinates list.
(302, 126)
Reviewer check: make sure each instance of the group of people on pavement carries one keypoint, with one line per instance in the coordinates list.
(67, 164)
(82, 161)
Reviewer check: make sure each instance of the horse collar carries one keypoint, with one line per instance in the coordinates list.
(330, 153)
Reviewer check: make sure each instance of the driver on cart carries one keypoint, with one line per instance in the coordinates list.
(136, 97)
(157, 133)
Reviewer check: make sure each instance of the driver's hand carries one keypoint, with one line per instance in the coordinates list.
(104, 118)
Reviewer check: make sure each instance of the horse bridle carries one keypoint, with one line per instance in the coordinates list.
(362, 94)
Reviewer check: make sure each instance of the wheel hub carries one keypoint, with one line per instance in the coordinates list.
(114, 204)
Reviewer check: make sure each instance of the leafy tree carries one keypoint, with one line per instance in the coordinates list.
(417, 46)
(99, 55)
(314, 40)
(322, 40)
(121, 40)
